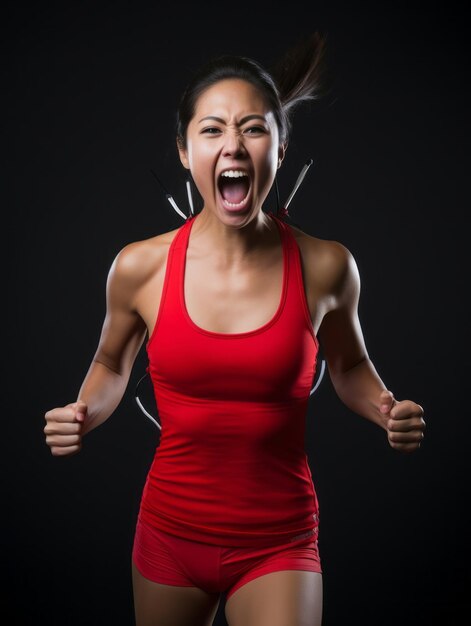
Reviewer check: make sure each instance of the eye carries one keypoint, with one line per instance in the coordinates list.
(210, 130)
(255, 130)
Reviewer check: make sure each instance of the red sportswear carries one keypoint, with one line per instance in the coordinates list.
(231, 467)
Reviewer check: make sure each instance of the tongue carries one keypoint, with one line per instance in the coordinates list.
(233, 191)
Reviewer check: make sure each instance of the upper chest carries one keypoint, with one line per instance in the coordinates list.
(227, 297)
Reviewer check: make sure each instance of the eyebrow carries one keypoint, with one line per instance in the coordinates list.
(245, 119)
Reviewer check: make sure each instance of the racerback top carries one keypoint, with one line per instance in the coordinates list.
(230, 467)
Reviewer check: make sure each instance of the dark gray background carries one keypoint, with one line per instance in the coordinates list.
(90, 91)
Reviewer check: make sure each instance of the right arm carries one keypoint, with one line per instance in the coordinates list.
(103, 387)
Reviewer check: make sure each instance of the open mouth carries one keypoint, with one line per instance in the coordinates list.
(234, 187)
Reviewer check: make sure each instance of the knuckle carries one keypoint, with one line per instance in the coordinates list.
(60, 451)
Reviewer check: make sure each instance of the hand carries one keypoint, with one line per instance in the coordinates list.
(405, 424)
(64, 427)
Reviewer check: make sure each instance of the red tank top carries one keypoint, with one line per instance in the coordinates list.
(230, 467)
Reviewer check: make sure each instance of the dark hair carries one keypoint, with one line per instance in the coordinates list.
(295, 79)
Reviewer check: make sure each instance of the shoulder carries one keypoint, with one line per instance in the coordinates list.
(138, 261)
(328, 265)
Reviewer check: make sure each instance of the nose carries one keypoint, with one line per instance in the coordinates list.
(233, 144)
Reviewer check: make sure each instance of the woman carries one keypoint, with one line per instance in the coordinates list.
(235, 304)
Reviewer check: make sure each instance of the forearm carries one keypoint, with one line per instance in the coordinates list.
(102, 390)
(359, 388)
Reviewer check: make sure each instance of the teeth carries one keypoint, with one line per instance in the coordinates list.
(231, 204)
(234, 174)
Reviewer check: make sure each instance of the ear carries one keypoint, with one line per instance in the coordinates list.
(183, 154)
(281, 153)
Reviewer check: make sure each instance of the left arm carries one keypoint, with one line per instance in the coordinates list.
(353, 375)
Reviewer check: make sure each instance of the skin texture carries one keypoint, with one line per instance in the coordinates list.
(240, 256)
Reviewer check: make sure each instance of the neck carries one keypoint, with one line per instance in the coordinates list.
(233, 242)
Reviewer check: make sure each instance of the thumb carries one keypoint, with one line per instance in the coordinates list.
(80, 410)
(386, 401)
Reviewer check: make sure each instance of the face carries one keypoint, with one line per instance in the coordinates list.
(232, 150)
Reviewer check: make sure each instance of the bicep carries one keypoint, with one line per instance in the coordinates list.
(340, 333)
(123, 330)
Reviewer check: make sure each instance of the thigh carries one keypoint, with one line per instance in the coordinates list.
(156, 604)
(280, 598)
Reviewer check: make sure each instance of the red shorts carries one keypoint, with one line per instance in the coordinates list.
(164, 558)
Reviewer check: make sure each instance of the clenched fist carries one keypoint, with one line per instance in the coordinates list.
(405, 424)
(64, 427)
